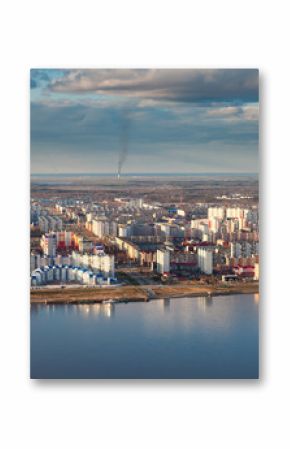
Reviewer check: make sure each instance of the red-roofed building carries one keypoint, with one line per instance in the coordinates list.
(244, 271)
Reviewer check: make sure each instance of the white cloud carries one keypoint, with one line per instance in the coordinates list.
(246, 112)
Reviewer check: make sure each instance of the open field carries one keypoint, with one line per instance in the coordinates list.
(164, 189)
(136, 293)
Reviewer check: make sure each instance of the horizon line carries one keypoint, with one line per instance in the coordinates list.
(139, 173)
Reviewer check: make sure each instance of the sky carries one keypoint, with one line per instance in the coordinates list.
(144, 120)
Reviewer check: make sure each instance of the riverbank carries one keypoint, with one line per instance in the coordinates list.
(136, 293)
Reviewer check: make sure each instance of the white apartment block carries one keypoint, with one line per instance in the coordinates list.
(236, 249)
(102, 227)
(163, 261)
(124, 230)
(216, 212)
(101, 262)
(49, 243)
(205, 260)
(50, 223)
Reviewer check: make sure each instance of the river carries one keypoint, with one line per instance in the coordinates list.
(197, 338)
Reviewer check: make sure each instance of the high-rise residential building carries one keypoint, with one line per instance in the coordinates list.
(163, 261)
(246, 249)
(124, 230)
(49, 244)
(236, 249)
(50, 223)
(105, 263)
(205, 260)
(102, 227)
(214, 224)
(234, 212)
(216, 212)
(256, 272)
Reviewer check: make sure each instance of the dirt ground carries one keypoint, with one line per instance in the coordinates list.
(136, 293)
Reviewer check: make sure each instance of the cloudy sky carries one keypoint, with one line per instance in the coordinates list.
(171, 121)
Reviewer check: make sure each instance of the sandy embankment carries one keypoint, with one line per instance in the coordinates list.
(136, 293)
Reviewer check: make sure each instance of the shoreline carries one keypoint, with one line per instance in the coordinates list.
(136, 293)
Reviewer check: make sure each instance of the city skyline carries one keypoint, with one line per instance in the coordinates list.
(173, 121)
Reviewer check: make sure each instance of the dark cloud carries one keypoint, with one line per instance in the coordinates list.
(178, 119)
(95, 129)
(181, 85)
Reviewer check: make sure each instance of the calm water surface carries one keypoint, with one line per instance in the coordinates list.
(178, 338)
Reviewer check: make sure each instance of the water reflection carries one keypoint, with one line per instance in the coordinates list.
(201, 337)
(204, 302)
(108, 310)
(49, 308)
(178, 310)
(166, 305)
(35, 309)
(95, 310)
(83, 310)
